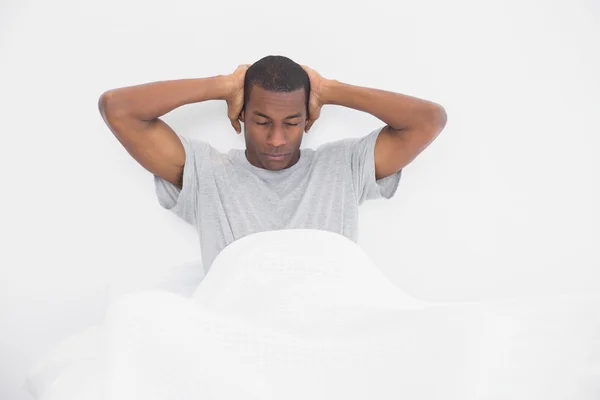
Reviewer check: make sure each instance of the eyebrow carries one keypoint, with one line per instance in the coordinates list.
(288, 117)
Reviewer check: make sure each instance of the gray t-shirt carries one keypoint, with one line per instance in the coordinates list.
(226, 198)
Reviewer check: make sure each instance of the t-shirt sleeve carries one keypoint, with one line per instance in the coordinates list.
(362, 162)
(184, 202)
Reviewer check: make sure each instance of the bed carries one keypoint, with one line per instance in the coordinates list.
(305, 313)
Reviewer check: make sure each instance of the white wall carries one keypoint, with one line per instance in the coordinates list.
(503, 203)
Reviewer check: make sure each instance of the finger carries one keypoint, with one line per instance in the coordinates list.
(236, 125)
(316, 114)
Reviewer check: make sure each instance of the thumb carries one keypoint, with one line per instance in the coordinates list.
(308, 126)
(236, 125)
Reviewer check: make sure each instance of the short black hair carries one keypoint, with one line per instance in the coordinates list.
(276, 74)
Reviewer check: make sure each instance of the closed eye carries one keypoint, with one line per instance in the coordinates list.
(265, 123)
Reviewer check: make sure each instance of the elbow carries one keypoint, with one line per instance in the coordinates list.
(442, 118)
(103, 103)
(107, 105)
(438, 119)
(433, 119)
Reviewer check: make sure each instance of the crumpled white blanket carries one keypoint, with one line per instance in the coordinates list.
(304, 314)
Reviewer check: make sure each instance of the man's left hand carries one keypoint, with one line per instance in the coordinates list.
(316, 99)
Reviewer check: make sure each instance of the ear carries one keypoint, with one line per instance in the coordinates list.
(242, 116)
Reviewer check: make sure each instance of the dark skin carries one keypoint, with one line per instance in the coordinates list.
(132, 113)
(274, 123)
(411, 123)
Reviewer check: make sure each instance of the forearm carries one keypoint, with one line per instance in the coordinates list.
(152, 100)
(396, 110)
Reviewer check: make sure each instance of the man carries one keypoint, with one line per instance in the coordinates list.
(272, 184)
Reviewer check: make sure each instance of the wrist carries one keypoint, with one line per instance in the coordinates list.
(328, 87)
(228, 86)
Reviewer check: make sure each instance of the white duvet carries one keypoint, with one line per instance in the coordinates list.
(305, 314)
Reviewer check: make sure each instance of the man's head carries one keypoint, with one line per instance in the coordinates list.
(276, 94)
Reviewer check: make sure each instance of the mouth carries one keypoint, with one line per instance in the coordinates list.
(276, 156)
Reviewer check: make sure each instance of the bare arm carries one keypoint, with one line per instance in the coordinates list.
(412, 123)
(132, 114)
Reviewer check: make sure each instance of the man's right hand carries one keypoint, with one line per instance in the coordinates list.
(235, 101)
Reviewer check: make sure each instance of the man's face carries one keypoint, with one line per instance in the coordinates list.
(274, 124)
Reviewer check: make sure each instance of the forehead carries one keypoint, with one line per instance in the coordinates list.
(276, 102)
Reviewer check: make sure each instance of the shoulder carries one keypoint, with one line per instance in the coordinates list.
(335, 148)
(205, 153)
(193, 145)
(350, 145)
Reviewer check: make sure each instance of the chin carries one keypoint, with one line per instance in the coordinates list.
(274, 166)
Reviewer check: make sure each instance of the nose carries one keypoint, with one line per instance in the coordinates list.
(276, 138)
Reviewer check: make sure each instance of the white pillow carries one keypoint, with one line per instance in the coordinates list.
(82, 348)
(84, 345)
(83, 380)
(181, 280)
